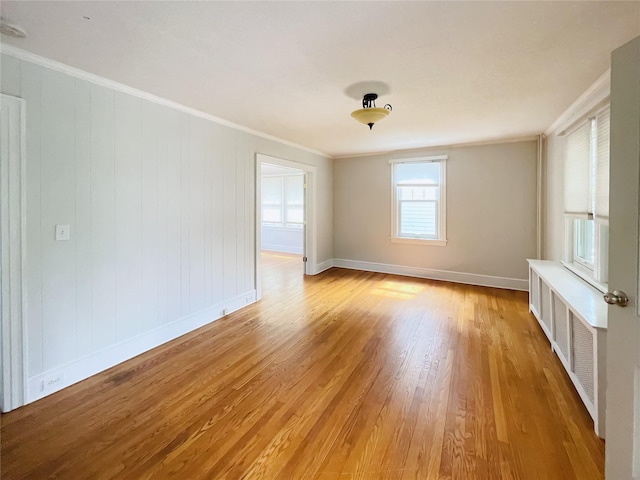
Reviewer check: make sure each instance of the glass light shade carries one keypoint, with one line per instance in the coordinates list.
(370, 115)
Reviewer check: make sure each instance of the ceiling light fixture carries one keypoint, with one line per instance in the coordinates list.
(369, 114)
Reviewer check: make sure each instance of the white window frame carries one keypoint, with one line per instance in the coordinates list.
(284, 203)
(441, 240)
(595, 274)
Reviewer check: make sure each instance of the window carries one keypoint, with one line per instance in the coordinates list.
(418, 201)
(283, 201)
(587, 198)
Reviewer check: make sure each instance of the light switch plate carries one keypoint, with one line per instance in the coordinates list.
(62, 232)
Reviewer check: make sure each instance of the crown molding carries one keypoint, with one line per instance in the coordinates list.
(20, 54)
(438, 149)
(595, 95)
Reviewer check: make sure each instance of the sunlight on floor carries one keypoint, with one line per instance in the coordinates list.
(397, 290)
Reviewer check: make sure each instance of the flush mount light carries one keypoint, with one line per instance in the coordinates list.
(369, 114)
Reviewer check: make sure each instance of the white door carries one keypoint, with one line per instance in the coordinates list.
(623, 335)
(11, 234)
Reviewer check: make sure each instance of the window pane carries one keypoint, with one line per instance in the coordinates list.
(294, 189)
(271, 214)
(295, 214)
(417, 193)
(418, 172)
(271, 190)
(584, 241)
(418, 218)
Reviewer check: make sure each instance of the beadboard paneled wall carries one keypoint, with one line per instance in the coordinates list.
(160, 205)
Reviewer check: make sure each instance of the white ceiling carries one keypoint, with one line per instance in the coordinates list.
(457, 72)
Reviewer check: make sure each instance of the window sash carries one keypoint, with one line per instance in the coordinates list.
(283, 201)
(430, 190)
(587, 198)
(422, 227)
(584, 242)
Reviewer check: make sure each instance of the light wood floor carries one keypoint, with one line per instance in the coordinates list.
(346, 375)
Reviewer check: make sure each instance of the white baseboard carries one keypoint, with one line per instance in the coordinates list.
(322, 266)
(282, 248)
(55, 379)
(444, 275)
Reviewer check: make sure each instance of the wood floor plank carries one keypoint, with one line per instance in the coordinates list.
(344, 375)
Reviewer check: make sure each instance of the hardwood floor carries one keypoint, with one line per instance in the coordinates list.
(345, 375)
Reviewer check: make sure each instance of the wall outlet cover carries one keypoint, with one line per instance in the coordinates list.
(53, 381)
(62, 233)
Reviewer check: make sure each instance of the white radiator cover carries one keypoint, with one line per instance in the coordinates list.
(573, 316)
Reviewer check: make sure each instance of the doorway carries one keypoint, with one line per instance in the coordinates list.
(284, 213)
(282, 199)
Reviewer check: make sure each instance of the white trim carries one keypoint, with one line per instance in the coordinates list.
(94, 363)
(432, 158)
(322, 266)
(310, 208)
(594, 95)
(419, 241)
(418, 149)
(443, 275)
(545, 329)
(498, 141)
(12, 256)
(119, 87)
(585, 275)
(592, 277)
(540, 160)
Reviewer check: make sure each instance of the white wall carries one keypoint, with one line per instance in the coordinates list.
(491, 214)
(553, 192)
(161, 208)
(282, 239)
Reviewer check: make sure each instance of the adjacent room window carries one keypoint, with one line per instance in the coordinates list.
(587, 198)
(418, 200)
(283, 201)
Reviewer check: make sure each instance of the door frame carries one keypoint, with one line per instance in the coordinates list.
(310, 215)
(12, 256)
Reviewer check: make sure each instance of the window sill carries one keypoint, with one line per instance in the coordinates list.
(419, 241)
(585, 275)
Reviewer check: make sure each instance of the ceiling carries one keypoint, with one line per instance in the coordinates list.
(456, 72)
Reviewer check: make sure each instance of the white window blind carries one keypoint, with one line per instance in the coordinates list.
(272, 199)
(283, 200)
(602, 164)
(577, 171)
(294, 194)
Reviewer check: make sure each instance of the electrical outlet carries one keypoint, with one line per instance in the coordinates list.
(52, 381)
